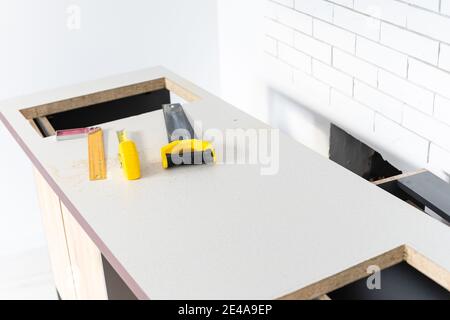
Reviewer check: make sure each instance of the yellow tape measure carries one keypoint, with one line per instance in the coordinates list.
(129, 157)
(97, 163)
(121, 136)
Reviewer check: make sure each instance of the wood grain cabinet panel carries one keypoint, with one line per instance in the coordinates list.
(86, 260)
(56, 238)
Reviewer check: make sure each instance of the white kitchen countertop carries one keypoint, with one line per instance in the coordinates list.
(223, 231)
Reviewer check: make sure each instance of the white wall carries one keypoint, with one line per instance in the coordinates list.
(250, 81)
(40, 52)
(378, 68)
(20, 223)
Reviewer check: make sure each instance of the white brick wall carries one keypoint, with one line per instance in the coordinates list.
(442, 109)
(410, 43)
(445, 7)
(317, 8)
(382, 56)
(400, 141)
(444, 57)
(332, 77)
(335, 36)
(314, 48)
(380, 69)
(294, 57)
(378, 101)
(427, 4)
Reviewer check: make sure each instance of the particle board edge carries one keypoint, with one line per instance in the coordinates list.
(398, 177)
(428, 267)
(93, 98)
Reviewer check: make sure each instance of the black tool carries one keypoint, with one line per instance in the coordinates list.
(183, 148)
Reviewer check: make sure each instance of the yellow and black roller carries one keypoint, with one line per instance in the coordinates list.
(183, 148)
